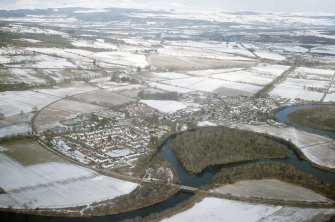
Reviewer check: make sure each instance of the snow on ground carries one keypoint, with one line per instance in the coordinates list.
(309, 144)
(231, 47)
(119, 153)
(30, 40)
(199, 53)
(268, 55)
(122, 58)
(34, 30)
(325, 49)
(5, 59)
(165, 106)
(245, 77)
(55, 185)
(63, 148)
(206, 123)
(16, 102)
(330, 97)
(67, 91)
(78, 56)
(99, 44)
(210, 84)
(219, 210)
(169, 88)
(47, 62)
(26, 76)
(271, 189)
(327, 72)
(18, 129)
(294, 49)
(300, 89)
(323, 154)
(170, 75)
(210, 72)
(272, 70)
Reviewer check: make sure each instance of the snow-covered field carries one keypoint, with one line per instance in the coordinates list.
(245, 77)
(16, 102)
(26, 76)
(18, 129)
(327, 49)
(318, 149)
(67, 91)
(272, 70)
(232, 47)
(55, 185)
(301, 89)
(122, 58)
(200, 53)
(307, 84)
(248, 80)
(218, 210)
(165, 106)
(209, 84)
(169, 88)
(271, 189)
(269, 55)
(98, 43)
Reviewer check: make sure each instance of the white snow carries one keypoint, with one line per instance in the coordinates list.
(46, 61)
(268, 55)
(273, 70)
(119, 153)
(169, 88)
(5, 59)
(327, 72)
(55, 185)
(316, 148)
(63, 148)
(330, 97)
(170, 75)
(199, 53)
(327, 49)
(231, 47)
(25, 75)
(206, 123)
(66, 91)
(122, 58)
(165, 106)
(15, 102)
(94, 44)
(13, 130)
(245, 77)
(220, 210)
(34, 30)
(30, 40)
(298, 89)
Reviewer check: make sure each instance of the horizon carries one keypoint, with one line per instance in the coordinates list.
(274, 6)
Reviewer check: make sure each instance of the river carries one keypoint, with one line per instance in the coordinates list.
(195, 180)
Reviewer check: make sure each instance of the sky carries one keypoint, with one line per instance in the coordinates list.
(327, 6)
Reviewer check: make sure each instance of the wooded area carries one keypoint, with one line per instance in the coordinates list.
(220, 145)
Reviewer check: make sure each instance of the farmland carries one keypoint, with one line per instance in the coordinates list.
(89, 98)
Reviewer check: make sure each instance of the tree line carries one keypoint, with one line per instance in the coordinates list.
(220, 145)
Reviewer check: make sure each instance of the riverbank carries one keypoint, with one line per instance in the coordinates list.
(315, 117)
(210, 146)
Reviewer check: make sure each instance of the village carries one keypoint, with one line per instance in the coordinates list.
(117, 138)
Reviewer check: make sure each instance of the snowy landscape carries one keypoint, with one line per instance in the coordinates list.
(91, 101)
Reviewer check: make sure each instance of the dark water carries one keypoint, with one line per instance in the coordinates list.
(206, 177)
(178, 198)
(195, 180)
(282, 116)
